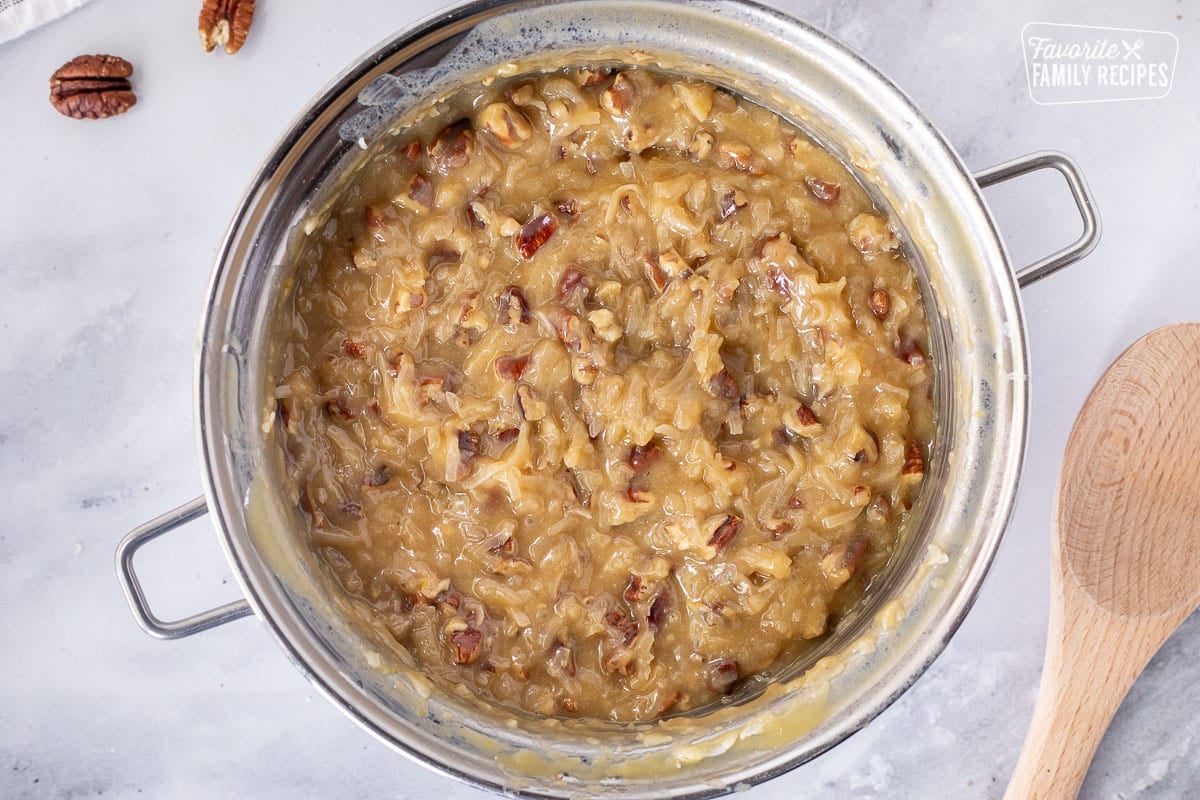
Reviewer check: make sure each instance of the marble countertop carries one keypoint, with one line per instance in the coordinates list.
(107, 235)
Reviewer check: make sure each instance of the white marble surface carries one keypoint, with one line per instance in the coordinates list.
(107, 233)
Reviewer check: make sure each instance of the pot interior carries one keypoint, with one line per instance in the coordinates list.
(977, 343)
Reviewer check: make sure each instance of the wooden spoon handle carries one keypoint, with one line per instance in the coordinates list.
(1090, 665)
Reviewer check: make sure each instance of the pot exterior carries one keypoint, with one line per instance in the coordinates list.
(978, 351)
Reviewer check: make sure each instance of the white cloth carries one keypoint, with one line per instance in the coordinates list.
(21, 16)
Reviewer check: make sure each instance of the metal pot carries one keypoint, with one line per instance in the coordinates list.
(981, 393)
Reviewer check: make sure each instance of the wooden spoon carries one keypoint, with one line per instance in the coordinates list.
(1126, 561)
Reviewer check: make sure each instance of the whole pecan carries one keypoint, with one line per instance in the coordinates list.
(225, 22)
(92, 87)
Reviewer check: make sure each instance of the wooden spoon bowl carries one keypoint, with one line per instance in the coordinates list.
(1126, 558)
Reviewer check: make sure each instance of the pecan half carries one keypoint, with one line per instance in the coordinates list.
(92, 87)
(225, 23)
(535, 233)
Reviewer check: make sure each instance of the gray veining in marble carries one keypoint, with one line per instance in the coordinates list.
(107, 233)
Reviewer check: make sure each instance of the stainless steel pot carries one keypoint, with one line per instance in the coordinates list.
(981, 388)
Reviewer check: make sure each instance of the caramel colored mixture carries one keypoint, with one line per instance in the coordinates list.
(606, 396)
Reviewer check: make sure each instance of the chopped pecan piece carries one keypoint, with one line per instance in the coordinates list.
(584, 371)
(722, 675)
(568, 208)
(643, 456)
(354, 348)
(573, 284)
(285, 416)
(514, 308)
(827, 193)
(732, 201)
(909, 351)
(634, 590)
(477, 214)
(724, 386)
(378, 476)
(802, 421)
(512, 367)
(701, 146)
(782, 283)
(562, 659)
(577, 488)
(570, 330)
(453, 147)
(658, 609)
(225, 23)
(879, 509)
(420, 190)
(374, 217)
(872, 235)
(618, 98)
(843, 560)
(509, 126)
(92, 87)
(468, 444)
(735, 155)
(725, 532)
(914, 461)
(339, 408)
(590, 76)
(881, 303)
(638, 496)
(465, 644)
(412, 150)
(628, 628)
(535, 233)
(654, 272)
(533, 408)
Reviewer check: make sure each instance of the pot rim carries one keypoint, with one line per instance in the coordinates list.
(228, 505)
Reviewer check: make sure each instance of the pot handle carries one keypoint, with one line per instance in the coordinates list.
(151, 624)
(1084, 201)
